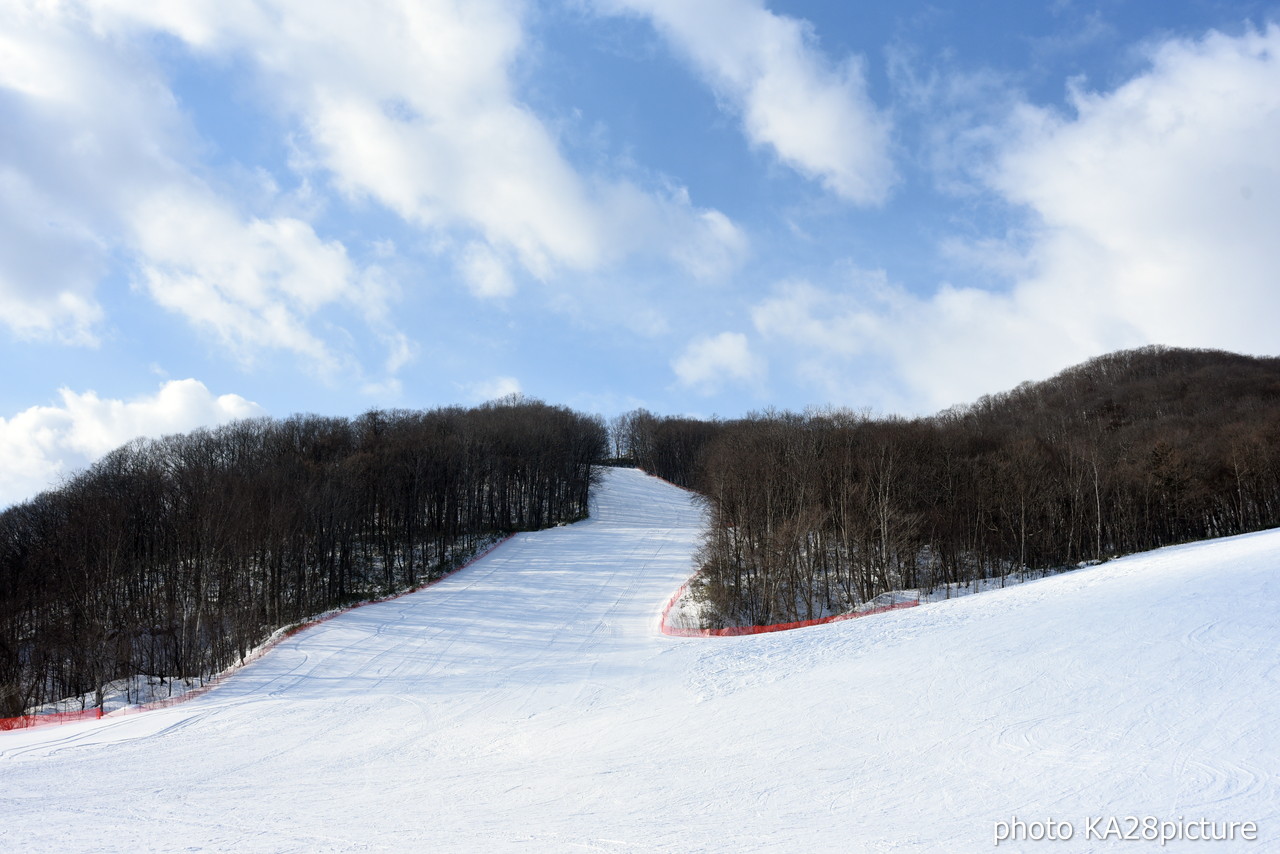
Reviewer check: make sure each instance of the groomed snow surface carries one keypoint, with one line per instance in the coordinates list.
(529, 703)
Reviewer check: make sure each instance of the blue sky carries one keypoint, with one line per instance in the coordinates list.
(212, 210)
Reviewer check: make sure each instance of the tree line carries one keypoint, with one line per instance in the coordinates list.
(176, 556)
(816, 513)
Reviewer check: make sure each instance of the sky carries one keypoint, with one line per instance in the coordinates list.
(218, 209)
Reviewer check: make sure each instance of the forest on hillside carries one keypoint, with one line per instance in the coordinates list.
(814, 513)
(174, 557)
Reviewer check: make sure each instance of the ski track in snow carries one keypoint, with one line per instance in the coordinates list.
(529, 703)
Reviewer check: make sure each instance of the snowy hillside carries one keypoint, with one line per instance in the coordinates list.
(529, 703)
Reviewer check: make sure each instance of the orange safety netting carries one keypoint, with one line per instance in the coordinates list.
(738, 631)
(27, 721)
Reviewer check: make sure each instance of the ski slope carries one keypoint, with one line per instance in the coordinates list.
(528, 703)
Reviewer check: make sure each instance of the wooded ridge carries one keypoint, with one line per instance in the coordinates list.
(813, 514)
(174, 557)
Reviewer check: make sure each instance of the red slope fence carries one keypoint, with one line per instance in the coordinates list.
(28, 721)
(738, 631)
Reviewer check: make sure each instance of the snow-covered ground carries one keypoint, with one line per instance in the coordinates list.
(529, 703)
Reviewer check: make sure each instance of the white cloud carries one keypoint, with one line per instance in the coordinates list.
(485, 272)
(487, 164)
(493, 389)
(710, 246)
(44, 443)
(253, 284)
(707, 364)
(1159, 202)
(847, 343)
(411, 104)
(1153, 213)
(817, 117)
(430, 128)
(803, 314)
(102, 161)
(408, 103)
(64, 136)
(49, 263)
